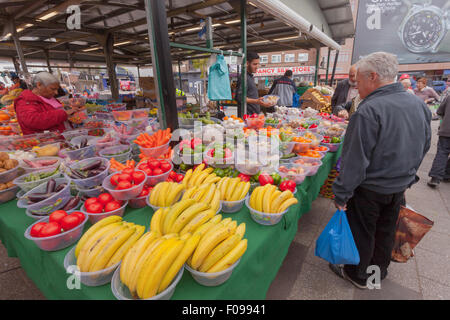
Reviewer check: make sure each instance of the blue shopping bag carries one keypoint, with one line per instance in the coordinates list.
(295, 100)
(336, 244)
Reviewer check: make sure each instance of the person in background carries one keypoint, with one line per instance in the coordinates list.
(38, 110)
(3, 89)
(406, 82)
(18, 83)
(386, 141)
(254, 102)
(285, 88)
(345, 91)
(440, 170)
(427, 94)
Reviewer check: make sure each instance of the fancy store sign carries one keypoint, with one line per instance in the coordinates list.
(279, 71)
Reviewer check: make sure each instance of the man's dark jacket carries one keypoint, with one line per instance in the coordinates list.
(340, 94)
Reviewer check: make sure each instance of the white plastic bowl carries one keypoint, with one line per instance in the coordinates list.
(91, 279)
(96, 217)
(91, 193)
(27, 186)
(297, 178)
(8, 194)
(9, 175)
(211, 279)
(138, 203)
(29, 169)
(248, 169)
(121, 292)
(104, 153)
(91, 182)
(220, 162)
(125, 194)
(312, 169)
(59, 241)
(155, 152)
(332, 147)
(155, 208)
(232, 206)
(266, 219)
(79, 154)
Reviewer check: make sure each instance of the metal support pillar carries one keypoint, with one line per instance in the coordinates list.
(16, 65)
(179, 75)
(317, 65)
(209, 33)
(110, 65)
(334, 67)
(328, 65)
(19, 50)
(162, 63)
(47, 59)
(243, 109)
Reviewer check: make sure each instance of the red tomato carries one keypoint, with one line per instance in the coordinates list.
(128, 171)
(95, 207)
(104, 198)
(80, 215)
(57, 216)
(165, 166)
(113, 205)
(179, 178)
(124, 185)
(148, 171)
(172, 175)
(125, 177)
(115, 179)
(154, 164)
(170, 180)
(157, 172)
(90, 201)
(50, 229)
(144, 192)
(138, 177)
(143, 166)
(70, 222)
(36, 229)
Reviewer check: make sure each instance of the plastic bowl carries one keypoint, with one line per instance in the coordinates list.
(220, 162)
(29, 169)
(70, 134)
(255, 123)
(8, 194)
(91, 193)
(37, 217)
(301, 146)
(297, 178)
(75, 141)
(91, 279)
(55, 202)
(138, 203)
(155, 208)
(125, 194)
(286, 147)
(211, 279)
(312, 168)
(316, 141)
(27, 186)
(154, 180)
(91, 182)
(266, 219)
(96, 217)
(232, 206)
(155, 152)
(248, 169)
(115, 149)
(59, 241)
(80, 154)
(100, 146)
(121, 292)
(332, 147)
(9, 175)
(324, 152)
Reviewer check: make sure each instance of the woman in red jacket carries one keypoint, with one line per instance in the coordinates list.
(38, 110)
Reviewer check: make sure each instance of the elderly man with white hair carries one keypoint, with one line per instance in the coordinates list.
(386, 141)
(38, 110)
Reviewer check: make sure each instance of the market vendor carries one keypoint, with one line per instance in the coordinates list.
(254, 102)
(38, 110)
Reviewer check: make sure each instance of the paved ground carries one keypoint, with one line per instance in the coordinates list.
(304, 276)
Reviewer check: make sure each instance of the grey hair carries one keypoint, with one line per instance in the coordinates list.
(44, 78)
(382, 63)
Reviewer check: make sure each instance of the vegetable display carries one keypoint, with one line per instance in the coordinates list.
(88, 170)
(159, 138)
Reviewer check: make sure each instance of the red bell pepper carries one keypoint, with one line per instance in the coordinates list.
(264, 179)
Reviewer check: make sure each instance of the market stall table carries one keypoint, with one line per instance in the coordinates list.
(267, 248)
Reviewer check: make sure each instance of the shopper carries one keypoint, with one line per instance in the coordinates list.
(18, 83)
(406, 83)
(285, 88)
(345, 92)
(37, 110)
(440, 170)
(254, 102)
(424, 92)
(386, 140)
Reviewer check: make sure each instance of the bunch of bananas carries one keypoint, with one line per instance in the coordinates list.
(269, 199)
(183, 217)
(233, 189)
(106, 243)
(207, 193)
(220, 246)
(150, 266)
(165, 194)
(199, 176)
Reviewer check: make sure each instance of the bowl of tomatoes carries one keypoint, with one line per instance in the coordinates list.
(126, 185)
(57, 231)
(156, 170)
(141, 200)
(103, 206)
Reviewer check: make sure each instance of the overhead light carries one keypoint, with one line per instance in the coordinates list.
(257, 42)
(216, 24)
(170, 33)
(48, 15)
(28, 25)
(121, 43)
(6, 36)
(90, 49)
(233, 21)
(286, 38)
(19, 30)
(193, 29)
(251, 3)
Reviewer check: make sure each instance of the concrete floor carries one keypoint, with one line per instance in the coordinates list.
(303, 276)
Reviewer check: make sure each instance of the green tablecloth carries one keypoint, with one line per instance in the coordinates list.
(267, 248)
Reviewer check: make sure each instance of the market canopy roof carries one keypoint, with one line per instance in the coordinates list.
(41, 27)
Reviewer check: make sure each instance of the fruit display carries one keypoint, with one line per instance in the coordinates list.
(255, 121)
(207, 193)
(268, 199)
(127, 179)
(314, 99)
(59, 222)
(294, 172)
(287, 185)
(175, 177)
(141, 200)
(106, 243)
(189, 119)
(328, 139)
(165, 194)
(102, 204)
(311, 154)
(233, 189)
(199, 175)
(156, 170)
(233, 122)
(302, 144)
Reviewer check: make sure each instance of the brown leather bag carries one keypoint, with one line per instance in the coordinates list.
(411, 228)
